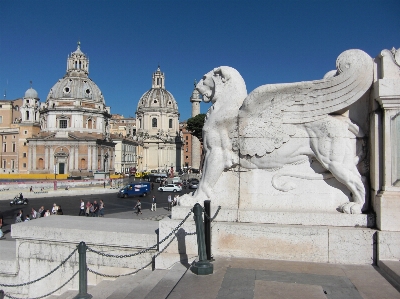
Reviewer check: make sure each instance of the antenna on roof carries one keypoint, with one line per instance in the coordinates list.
(30, 83)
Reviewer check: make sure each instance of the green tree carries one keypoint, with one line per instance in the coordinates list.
(195, 126)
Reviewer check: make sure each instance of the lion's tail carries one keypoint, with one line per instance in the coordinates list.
(287, 186)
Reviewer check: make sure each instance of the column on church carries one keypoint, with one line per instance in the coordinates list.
(46, 157)
(51, 159)
(76, 166)
(89, 162)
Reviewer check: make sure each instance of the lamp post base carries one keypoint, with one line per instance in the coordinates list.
(202, 268)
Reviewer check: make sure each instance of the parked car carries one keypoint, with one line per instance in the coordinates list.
(193, 181)
(193, 185)
(170, 188)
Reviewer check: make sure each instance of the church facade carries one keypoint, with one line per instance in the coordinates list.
(157, 125)
(74, 135)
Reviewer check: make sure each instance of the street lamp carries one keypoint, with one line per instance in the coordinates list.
(105, 161)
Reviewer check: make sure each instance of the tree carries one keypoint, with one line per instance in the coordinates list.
(195, 126)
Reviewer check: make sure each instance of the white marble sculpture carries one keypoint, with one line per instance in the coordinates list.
(285, 124)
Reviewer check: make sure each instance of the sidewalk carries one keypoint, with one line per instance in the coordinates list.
(237, 278)
(10, 194)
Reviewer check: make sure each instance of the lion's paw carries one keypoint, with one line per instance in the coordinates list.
(350, 208)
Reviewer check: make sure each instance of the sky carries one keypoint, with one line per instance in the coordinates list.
(125, 40)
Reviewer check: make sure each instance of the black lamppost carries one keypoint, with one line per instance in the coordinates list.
(105, 161)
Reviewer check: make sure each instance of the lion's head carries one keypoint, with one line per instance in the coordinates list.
(221, 80)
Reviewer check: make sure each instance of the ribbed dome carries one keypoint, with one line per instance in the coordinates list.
(157, 98)
(31, 93)
(76, 88)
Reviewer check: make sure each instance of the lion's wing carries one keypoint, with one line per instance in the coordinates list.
(270, 111)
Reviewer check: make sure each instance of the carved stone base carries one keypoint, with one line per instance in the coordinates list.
(324, 244)
(387, 205)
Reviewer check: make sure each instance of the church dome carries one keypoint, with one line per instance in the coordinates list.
(76, 88)
(31, 94)
(76, 84)
(157, 97)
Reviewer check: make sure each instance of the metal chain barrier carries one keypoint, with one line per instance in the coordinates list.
(44, 276)
(215, 215)
(147, 249)
(144, 250)
(48, 294)
(136, 271)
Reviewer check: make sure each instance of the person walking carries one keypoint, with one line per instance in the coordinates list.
(87, 212)
(101, 208)
(169, 202)
(153, 203)
(138, 207)
(95, 209)
(82, 208)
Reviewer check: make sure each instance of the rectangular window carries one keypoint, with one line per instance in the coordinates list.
(187, 137)
(12, 164)
(13, 147)
(63, 123)
(24, 155)
(5, 137)
(1, 119)
(4, 164)
(4, 147)
(24, 165)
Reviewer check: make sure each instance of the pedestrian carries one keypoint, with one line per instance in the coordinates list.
(47, 213)
(33, 214)
(169, 202)
(27, 218)
(152, 186)
(175, 200)
(101, 208)
(87, 212)
(91, 210)
(54, 209)
(18, 218)
(82, 208)
(104, 184)
(59, 211)
(31, 189)
(153, 204)
(41, 212)
(138, 207)
(95, 209)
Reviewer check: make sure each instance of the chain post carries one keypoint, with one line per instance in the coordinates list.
(203, 266)
(82, 273)
(207, 228)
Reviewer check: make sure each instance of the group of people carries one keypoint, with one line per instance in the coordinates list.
(171, 202)
(42, 212)
(92, 209)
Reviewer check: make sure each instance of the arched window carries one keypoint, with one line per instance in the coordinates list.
(89, 124)
(170, 123)
(154, 122)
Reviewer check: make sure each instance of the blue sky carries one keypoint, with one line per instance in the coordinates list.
(266, 41)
